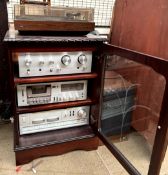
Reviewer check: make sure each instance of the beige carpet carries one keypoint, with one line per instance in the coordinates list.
(99, 162)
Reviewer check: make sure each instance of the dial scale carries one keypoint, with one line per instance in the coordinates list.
(54, 63)
(53, 119)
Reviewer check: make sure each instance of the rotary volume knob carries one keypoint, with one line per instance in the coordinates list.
(82, 59)
(81, 113)
(66, 60)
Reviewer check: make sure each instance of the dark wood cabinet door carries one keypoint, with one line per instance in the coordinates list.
(141, 26)
(134, 113)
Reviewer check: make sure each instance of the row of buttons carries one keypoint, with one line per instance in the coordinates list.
(68, 97)
(38, 100)
(66, 60)
(47, 126)
(56, 69)
(55, 99)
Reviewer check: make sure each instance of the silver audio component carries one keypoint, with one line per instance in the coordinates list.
(66, 60)
(52, 92)
(54, 119)
(54, 63)
(82, 59)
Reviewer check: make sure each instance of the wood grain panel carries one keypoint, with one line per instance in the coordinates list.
(25, 156)
(59, 26)
(141, 26)
(53, 137)
(62, 105)
(54, 78)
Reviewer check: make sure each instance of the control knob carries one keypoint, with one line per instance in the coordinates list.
(41, 61)
(71, 97)
(65, 114)
(28, 61)
(51, 69)
(76, 96)
(82, 59)
(24, 119)
(81, 113)
(65, 98)
(28, 71)
(51, 62)
(66, 60)
(58, 68)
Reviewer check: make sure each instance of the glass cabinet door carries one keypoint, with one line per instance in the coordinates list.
(131, 105)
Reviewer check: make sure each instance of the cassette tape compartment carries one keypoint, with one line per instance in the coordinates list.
(91, 96)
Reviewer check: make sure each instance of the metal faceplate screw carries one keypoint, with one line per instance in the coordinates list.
(159, 127)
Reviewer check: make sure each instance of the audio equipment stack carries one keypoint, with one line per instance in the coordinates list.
(56, 94)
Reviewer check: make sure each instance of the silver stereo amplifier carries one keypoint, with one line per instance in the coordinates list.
(52, 92)
(54, 119)
(54, 63)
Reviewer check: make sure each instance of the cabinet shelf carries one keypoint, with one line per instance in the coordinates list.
(18, 80)
(54, 137)
(52, 106)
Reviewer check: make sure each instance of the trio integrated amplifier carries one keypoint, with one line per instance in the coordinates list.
(51, 92)
(54, 63)
(54, 119)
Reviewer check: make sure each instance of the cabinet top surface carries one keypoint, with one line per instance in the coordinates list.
(14, 36)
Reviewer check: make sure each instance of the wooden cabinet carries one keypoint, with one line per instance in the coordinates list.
(31, 146)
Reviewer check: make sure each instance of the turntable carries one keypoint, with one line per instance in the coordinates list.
(40, 18)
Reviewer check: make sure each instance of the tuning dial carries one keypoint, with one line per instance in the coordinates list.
(81, 113)
(28, 61)
(66, 60)
(82, 59)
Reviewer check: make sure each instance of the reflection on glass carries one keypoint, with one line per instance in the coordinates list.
(131, 105)
(47, 13)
